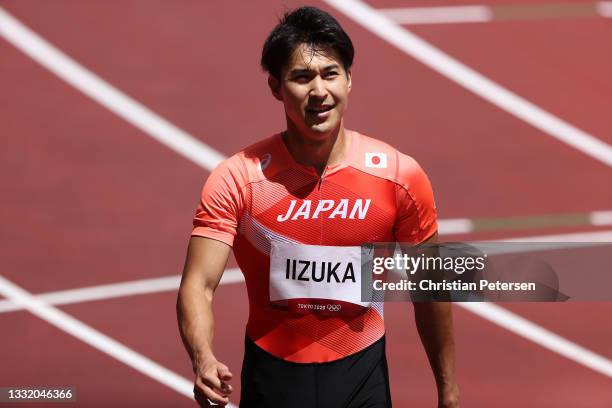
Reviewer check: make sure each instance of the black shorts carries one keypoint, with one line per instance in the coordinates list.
(360, 380)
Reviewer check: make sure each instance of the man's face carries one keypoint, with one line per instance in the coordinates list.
(314, 88)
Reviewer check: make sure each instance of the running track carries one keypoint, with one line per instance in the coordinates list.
(90, 199)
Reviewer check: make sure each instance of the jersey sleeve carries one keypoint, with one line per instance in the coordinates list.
(416, 212)
(221, 203)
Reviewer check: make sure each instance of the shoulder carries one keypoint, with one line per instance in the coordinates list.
(380, 159)
(246, 166)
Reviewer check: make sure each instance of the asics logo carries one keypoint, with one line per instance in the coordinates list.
(265, 161)
(344, 208)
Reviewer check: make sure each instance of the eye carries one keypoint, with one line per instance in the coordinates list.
(331, 74)
(301, 78)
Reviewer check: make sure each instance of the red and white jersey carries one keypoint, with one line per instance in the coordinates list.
(295, 237)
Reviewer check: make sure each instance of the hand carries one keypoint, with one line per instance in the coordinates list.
(448, 397)
(210, 386)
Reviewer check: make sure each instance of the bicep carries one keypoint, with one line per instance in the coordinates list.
(205, 262)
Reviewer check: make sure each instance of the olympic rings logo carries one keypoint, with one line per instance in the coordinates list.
(334, 308)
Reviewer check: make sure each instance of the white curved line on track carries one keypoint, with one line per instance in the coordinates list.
(453, 69)
(95, 338)
(132, 111)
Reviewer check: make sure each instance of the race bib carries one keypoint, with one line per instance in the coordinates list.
(308, 278)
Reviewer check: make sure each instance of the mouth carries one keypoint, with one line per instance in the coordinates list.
(316, 110)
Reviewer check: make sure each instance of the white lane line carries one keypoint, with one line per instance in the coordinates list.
(494, 313)
(455, 226)
(601, 218)
(188, 146)
(116, 290)
(459, 14)
(41, 51)
(439, 15)
(604, 8)
(450, 226)
(577, 237)
(234, 275)
(414, 46)
(105, 94)
(94, 338)
(539, 335)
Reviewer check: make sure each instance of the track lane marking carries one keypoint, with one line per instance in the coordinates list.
(488, 311)
(448, 226)
(601, 218)
(455, 226)
(439, 14)
(489, 13)
(116, 290)
(132, 111)
(414, 46)
(604, 8)
(539, 335)
(234, 275)
(205, 156)
(149, 122)
(95, 338)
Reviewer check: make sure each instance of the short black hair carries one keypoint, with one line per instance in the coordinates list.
(305, 25)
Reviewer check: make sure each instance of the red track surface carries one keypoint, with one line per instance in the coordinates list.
(89, 200)
(424, 3)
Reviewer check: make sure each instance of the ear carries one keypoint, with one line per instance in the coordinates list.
(274, 85)
(349, 76)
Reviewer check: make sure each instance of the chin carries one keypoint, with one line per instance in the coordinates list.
(318, 133)
(322, 128)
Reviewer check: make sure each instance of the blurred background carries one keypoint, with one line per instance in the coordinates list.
(112, 114)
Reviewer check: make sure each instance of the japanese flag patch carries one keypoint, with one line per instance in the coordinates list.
(376, 160)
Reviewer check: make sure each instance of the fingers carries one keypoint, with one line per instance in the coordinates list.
(204, 394)
(224, 375)
(214, 381)
(224, 372)
(210, 384)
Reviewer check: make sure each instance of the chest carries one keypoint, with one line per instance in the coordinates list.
(342, 209)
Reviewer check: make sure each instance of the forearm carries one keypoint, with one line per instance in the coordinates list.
(195, 318)
(435, 326)
(204, 265)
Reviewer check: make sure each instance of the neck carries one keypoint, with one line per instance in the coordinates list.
(325, 150)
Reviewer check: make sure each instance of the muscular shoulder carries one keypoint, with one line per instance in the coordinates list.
(416, 211)
(380, 159)
(246, 166)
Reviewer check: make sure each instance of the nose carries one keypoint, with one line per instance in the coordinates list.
(318, 88)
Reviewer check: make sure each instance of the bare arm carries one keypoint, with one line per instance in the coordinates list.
(206, 259)
(434, 322)
(435, 325)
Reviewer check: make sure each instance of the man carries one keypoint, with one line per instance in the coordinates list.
(295, 207)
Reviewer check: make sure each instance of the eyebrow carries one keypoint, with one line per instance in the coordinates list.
(306, 70)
